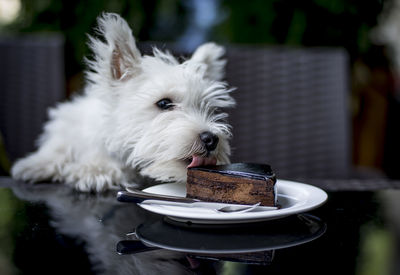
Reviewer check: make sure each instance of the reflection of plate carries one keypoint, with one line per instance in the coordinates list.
(255, 237)
(293, 197)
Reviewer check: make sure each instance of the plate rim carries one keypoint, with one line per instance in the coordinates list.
(319, 198)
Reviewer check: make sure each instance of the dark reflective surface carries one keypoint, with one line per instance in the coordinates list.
(51, 229)
(238, 238)
(253, 243)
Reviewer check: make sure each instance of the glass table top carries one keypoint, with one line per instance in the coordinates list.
(52, 229)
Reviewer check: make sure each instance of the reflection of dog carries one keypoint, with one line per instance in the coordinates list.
(99, 222)
(139, 113)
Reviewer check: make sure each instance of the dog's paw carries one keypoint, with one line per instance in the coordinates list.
(34, 169)
(95, 178)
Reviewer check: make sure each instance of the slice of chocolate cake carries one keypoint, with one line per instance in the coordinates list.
(241, 183)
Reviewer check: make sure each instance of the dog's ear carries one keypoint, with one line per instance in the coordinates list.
(210, 55)
(116, 58)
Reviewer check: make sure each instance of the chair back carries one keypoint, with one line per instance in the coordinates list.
(292, 109)
(32, 79)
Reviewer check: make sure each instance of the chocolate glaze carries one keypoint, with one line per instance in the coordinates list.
(252, 170)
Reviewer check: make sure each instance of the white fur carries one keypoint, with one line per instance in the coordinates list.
(101, 139)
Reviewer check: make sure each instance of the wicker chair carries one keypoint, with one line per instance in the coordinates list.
(293, 113)
(292, 109)
(32, 79)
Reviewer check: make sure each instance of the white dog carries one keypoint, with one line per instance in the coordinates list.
(147, 115)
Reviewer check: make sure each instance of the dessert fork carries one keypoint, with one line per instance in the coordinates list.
(141, 197)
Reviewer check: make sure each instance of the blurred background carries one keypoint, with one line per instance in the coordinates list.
(367, 30)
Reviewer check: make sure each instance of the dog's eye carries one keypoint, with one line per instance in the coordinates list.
(164, 104)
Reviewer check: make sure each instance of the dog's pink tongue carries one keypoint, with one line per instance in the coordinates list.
(200, 161)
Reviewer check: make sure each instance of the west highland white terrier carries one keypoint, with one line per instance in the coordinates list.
(139, 115)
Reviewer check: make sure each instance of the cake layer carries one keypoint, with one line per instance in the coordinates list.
(241, 183)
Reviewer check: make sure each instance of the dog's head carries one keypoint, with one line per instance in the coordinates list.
(162, 115)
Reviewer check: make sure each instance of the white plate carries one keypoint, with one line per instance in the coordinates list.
(294, 198)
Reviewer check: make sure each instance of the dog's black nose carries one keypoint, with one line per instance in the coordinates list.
(209, 140)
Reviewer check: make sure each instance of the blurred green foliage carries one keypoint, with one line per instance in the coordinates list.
(344, 23)
(12, 222)
(340, 23)
(4, 161)
(76, 18)
(377, 248)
